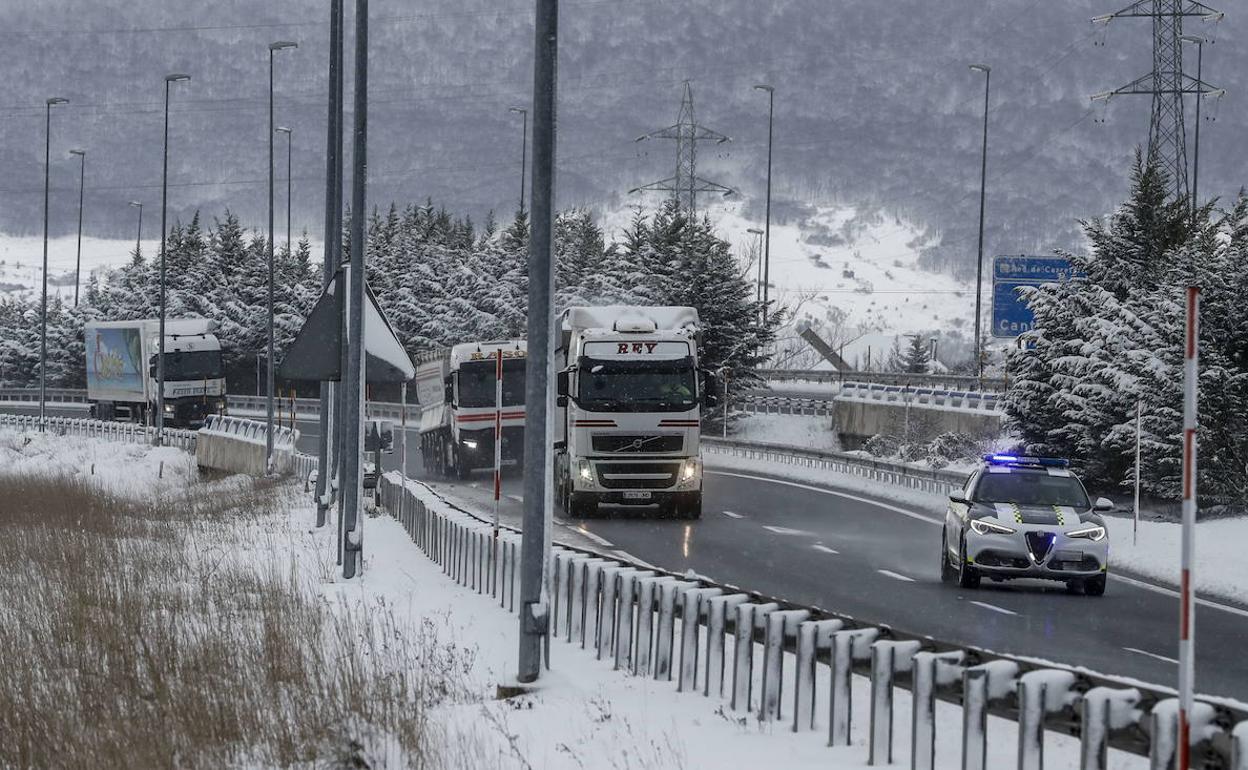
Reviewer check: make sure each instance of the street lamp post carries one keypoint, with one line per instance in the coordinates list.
(289, 143)
(979, 261)
(164, 213)
(1199, 42)
(138, 238)
(268, 433)
(524, 148)
(82, 182)
(771, 104)
(43, 313)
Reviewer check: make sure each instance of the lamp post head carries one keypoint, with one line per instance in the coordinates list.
(1195, 39)
(280, 44)
(754, 231)
(177, 77)
(57, 100)
(136, 204)
(984, 68)
(765, 87)
(283, 130)
(80, 153)
(519, 110)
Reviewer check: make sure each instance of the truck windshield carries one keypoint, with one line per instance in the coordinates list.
(194, 365)
(636, 386)
(477, 382)
(1030, 488)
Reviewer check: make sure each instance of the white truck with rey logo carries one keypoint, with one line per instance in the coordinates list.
(628, 417)
(468, 402)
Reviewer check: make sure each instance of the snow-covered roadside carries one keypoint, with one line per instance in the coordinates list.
(794, 430)
(131, 470)
(1221, 570)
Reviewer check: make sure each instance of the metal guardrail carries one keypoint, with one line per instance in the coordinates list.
(250, 430)
(935, 480)
(114, 431)
(922, 396)
(706, 638)
(958, 381)
(764, 404)
(54, 395)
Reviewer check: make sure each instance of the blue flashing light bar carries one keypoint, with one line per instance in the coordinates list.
(1040, 462)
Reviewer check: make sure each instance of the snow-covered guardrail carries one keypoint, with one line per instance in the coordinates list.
(114, 431)
(925, 397)
(955, 381)
(937, 481)
(765, 658)
(238, 445)
(758, 403)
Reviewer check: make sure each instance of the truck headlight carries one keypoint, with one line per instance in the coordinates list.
(169, 408)
(470, 443)
(690, 473)
(1095, 533)
(990, 527)
(587, 472)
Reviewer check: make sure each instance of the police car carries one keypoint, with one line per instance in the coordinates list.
(1025, 517)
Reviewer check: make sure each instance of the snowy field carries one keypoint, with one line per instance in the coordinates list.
(418, 663)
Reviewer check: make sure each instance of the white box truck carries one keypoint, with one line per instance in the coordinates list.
(121, 370)
(457, 390)
(628, 417)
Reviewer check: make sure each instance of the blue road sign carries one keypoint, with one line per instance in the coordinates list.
(1010, 315)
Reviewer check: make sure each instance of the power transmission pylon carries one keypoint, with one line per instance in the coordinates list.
(686, 184)
(1167, 83)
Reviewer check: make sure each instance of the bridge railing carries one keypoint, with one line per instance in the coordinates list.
(934, 480)
(761, 657)
(955, 381)
(107, 429)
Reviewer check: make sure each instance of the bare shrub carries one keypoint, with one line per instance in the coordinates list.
(168, 633)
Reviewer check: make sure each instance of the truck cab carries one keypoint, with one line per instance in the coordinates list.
(628, 422)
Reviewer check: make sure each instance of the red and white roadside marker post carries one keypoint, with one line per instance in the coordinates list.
(1187, 607)
(498, 435)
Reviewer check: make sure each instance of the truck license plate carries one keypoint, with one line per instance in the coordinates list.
(635, 495)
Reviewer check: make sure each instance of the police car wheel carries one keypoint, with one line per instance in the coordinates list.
(1095, 586)
(947, 571)
(968, 576)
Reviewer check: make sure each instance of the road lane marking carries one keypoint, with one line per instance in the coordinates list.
(993, 607)
(846, 495)
(1172, 593)
(895, 575)
(733, 515)
(517, 498)
(824, 549)
(599, 539)
(785, 530)
(1151, 655)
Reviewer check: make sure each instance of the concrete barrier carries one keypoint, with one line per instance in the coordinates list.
(235, 445)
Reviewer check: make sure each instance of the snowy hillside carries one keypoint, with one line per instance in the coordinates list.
(852, 275)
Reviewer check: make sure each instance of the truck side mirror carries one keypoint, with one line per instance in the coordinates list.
(561, 385)
(151, 371)
(710, 389)
(449, 392)
(561, 401)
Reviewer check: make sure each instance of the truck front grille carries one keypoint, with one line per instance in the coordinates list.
(623, 444)
(638, 475)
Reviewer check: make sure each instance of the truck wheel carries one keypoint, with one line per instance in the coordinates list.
(691, 509)
(582, 505)
(462, 471)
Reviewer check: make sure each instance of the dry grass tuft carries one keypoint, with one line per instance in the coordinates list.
(136, 635)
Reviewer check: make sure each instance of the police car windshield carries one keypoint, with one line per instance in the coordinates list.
(478, 381)
(1030, 488)
(636, 386)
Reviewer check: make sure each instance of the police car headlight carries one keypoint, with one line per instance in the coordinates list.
(1095, 533)
(989, 527)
